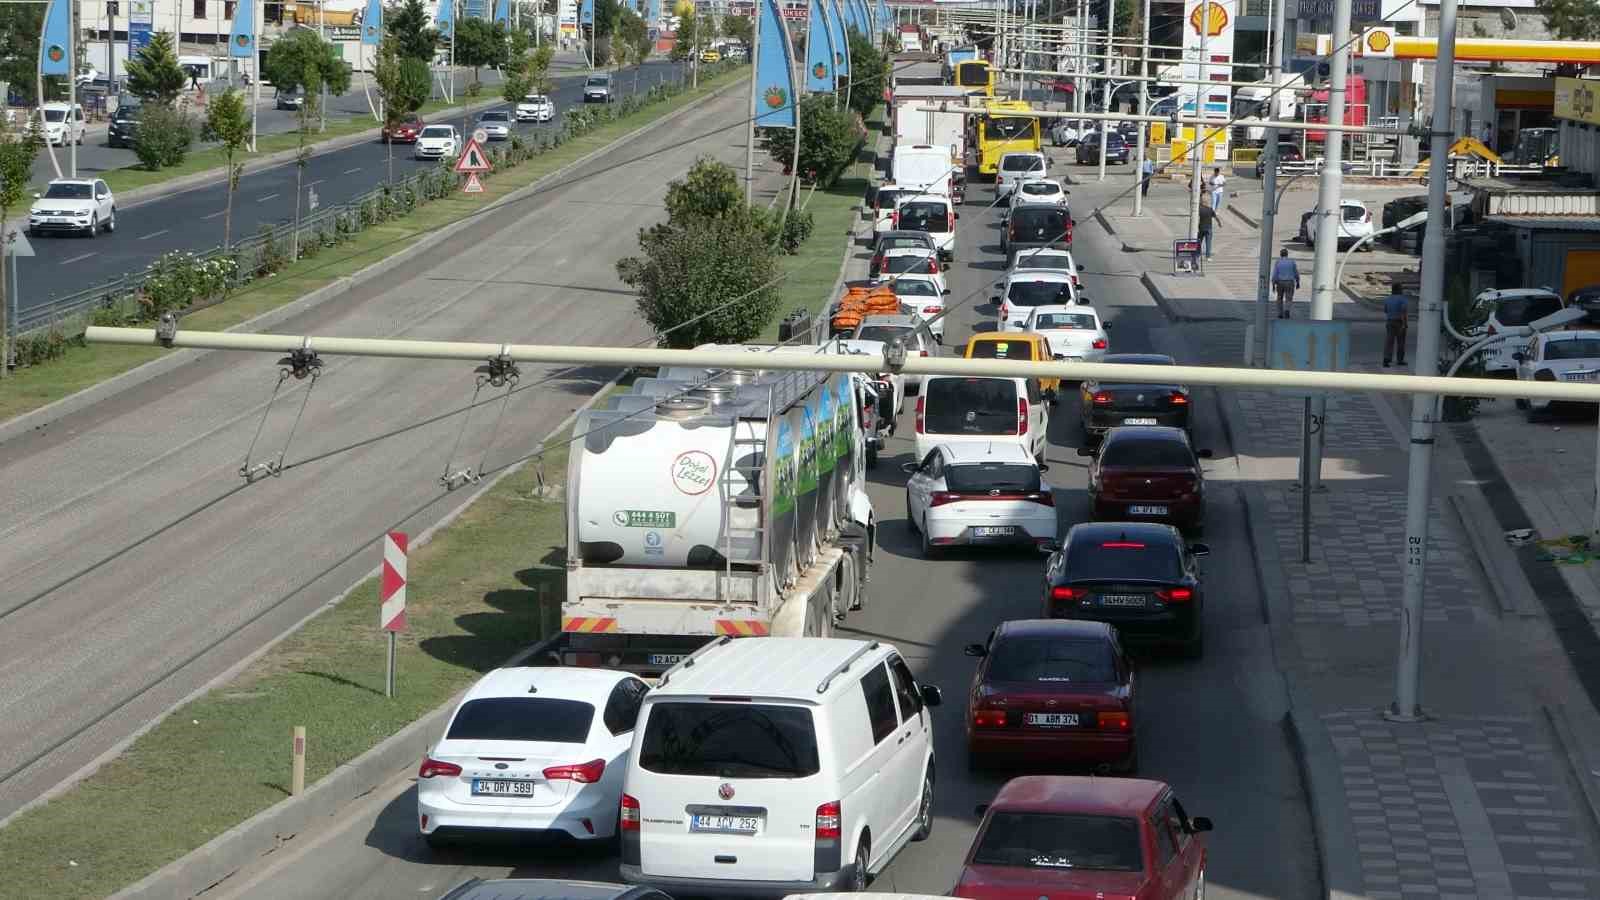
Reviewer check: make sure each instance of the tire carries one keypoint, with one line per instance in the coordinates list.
(858, 873)
(925, 809)
(94, 226)
(111, 223)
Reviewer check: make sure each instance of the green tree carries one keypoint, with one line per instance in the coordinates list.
(1571, 20)
(690, 269)
(538, 70)
(739, 28)
(687, 37)
(869, 74)
(305, 60)
(17, 152)
(709, 190)
(635, 34)
(163, 137)
(154, 76)
(20, 25)
(403, 82)
(480, 43)
(407, 24)
(228, 123)
(829, 137)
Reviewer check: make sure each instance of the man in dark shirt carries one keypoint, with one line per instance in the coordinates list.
(1208, 221)
(1394, 322)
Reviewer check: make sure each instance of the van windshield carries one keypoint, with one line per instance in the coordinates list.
(971, 406)
(1022, 164)
(729, 740)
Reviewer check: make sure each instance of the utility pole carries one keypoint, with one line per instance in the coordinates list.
(1144, 110)
(750, 128)
(1105, 130)
(1269, 183)
(1328, 219)
(72, 86)
(1419, 486)
(1201, 93)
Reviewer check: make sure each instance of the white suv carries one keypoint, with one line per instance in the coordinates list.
(769, 766)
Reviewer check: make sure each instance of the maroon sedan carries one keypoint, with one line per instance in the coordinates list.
(404, 130)
(1050, 692)
(1147, 473)
(1085, 838)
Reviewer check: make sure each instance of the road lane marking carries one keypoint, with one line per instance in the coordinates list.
(155, 234)
(78, 257)
(266, 198)
(352, 171)
(213, 215)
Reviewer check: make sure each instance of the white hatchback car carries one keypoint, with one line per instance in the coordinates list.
(1045, 259)
(81, 205)
(536, 108)
(909, 261)
(1558, 356)
(1512, 308)
(532, 749)
(1355, 223)
(437, 142)
(932, 214)
(1044, 192)
(1073, 333)
(979, 495)
(1015, 168)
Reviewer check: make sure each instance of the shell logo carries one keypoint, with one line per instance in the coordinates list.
(1215, 18)
(1379, 41)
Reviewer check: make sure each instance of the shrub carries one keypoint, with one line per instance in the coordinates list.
(163, 137)
(693, 267)
(797, 226)
(178, 279)
(272, 256)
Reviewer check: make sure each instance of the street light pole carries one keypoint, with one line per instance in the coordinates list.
(750, 130)
(1201, 92)
(1269, 183)
(1144, 110)
(1419, 493)
(322, 31)
(1329, 217)
(1105, 102)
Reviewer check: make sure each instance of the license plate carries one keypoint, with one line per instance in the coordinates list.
(994, 531)
(1053, 719)
(1121, 600)
(1138, 421)
(1147, 510)
(726, 824)
(496, 787)
(665, 659)
(1581, 376)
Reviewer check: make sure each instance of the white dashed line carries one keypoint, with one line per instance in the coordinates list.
(213, 215)
(352, 171)
(266, 198)
(155, 234)
(76, 258)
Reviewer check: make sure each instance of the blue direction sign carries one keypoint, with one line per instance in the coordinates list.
(1301, 345)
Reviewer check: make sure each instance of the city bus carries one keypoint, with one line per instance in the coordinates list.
(974, 73)
(1005, 128)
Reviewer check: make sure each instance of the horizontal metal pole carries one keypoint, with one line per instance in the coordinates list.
(763, 357)
(1157, 79)
(1217, 123)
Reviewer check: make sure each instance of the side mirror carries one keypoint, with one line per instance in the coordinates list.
(947, 292)
(37, 195)
(910, 468)
(1198, 824)
(1200, 549)
(983, 808)
(931, 695)
(1083, 299)
(1106, 325)
(975, 650)
(1086, 451)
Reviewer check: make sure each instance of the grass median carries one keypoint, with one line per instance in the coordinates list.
(33, 387)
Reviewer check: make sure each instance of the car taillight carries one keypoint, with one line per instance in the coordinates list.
(940, 498)
(1114, 721)
(933, 266)
(988, 718)
(1099, 344)
(433, 768)
(921, 418)
(1178, 398)
(629, 818)
(1102, 398)
(829, 822)
(932, 310)
(582, 773)
(1068, 594)
(1022, 415)
(950, 222)
(1175, 595)
(1043, 498)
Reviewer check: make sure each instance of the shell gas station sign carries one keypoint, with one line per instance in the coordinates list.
(1210, 22)
(1577, 100)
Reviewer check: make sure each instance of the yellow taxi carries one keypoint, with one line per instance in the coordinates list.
(1022, 345)
(710, 56)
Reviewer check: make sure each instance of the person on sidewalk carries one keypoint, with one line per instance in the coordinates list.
(1285, 281)
(1208, 222)
(1219, 186)
(1149, 173)
(1395, 310)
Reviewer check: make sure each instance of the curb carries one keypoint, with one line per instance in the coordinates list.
(44, 416)
(1510, 587)
(1582, 768)
(1247, 220)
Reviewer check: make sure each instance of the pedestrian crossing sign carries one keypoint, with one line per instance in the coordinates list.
(473, 185)
(473, 159)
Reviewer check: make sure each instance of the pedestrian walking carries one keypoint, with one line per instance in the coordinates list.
(1285, 281)
(1219, 185)
(1149, 172)
(1395, 310)
(1208, 221)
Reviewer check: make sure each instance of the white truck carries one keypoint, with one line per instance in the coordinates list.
(914, 126)
(702, 504)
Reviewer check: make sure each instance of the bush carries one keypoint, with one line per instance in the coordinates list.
(178, 279)
(163, 137)
(698, 265)
(829, 139)
(41, 347)
(797, 226)
(272, 255)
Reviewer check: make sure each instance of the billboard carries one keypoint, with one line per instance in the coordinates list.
(1214, 20)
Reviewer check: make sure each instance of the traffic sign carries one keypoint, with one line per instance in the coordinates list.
(473, 185)
(473, 159)
(16, 240)
(392, 583)
(480, 136)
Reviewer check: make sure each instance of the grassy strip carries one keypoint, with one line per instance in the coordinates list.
(36, 386)
(812, 270)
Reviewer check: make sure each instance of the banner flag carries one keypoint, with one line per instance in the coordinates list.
(444, 20)
(242, 37)
(371, 21)
(774, 81)
(820, 65)
(54, 39)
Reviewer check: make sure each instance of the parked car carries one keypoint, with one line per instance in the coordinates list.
(292, 99)
(895, 240)
(1511, 308)
(540, 749)
(1014, 345)
(547, 889)
(1117, 149)
(597, 88)
(922, 296)
(1150, 473)
(774, 766)
(1052, 691)
(1105, 406)
(403, 130)
(984, 494)
(536, 108)
(1036, 226)
(1074, 333)
(124, 125)
(496, 124)
(437, 142)
(63, 123)
(932, 213)
(1015, 168)
(1355, 223)
(1070, 837)
(1141, 577)
(1287, 153)
(80, 205)
(1025, 289)
(968, 409)
(1558, 356)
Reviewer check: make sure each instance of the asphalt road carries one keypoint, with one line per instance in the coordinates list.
(1213, 728)
(95, 483)
(192, 219)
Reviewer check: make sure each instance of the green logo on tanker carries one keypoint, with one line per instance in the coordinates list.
(808, 452)
(827, 432)
(783, 471)
(844, 434)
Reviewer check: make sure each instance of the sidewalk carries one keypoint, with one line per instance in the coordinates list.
(1484, 798)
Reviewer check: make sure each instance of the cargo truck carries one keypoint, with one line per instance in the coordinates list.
(703, 504)
(914, 126)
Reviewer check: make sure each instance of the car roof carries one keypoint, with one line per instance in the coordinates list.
(1079, 309)
(1058, 275)
(89, 181)
(524, 681)
(787, 667)
(1078, 794)
(541, 889)
(1146, 433)
(1004, 336)
(1053, 628)
(1498, 294)
(1022, 153)
(992, 451)
(1140, 359)
(1147, 532)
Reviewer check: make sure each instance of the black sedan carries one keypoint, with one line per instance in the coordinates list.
(1103, 406)
(891, 240)
(1117, 149)
(1140, 577)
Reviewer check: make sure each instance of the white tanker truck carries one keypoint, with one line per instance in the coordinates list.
(704, 503)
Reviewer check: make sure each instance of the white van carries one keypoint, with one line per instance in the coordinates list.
(964, 409)
(1015, 168)
(923, 167)
(768, 766)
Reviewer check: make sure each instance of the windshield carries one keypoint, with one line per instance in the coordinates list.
(1575, 348)
(1121, 560)
(69, 192)
(1522, 310)
(436, 132)
(997, 349)
(1064, 320)
(885, 333)
(597, 80)
(1352, 213)
(1051, 659)
(971, 406)
(915, 287)
(888, 199)
(910, 262)
(55, 115)
(1047, 841)
(1039, 293)
(896, 243)
(972, 75)
(494, 117)
(1008, 128)
(1143, 452)
(978, 478)
(1022, 164)
(522, 719)
(1043, 223)
(729, 740)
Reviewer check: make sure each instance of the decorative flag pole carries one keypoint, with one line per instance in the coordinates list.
(242, 45)
(371, 34)
(55, 51)
(755, 113)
